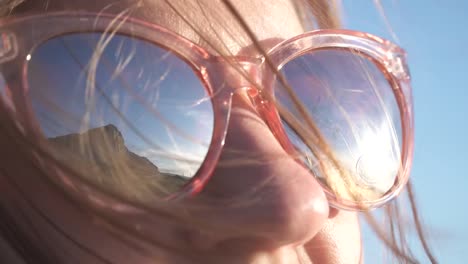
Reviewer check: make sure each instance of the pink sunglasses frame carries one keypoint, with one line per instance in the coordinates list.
(20, 36)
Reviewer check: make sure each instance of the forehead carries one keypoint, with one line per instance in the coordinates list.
(205, 22)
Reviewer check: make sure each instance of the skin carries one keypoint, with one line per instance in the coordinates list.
(288, 220)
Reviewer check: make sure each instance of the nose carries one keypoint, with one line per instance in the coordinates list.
(257, 190)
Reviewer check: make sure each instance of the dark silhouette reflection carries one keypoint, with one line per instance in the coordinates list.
(102, 154)
(135, 117)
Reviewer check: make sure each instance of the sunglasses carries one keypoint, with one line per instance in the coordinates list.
(119, 96)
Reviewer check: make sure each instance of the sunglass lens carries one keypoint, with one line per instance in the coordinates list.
(124, 112)
(351, 105)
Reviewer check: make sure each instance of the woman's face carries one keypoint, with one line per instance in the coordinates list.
(287, 220)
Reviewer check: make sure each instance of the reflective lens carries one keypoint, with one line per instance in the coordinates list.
(352, 104)
(122, 111)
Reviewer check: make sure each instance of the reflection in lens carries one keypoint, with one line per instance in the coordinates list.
(3, 92)
(353, 105)
(133, 117)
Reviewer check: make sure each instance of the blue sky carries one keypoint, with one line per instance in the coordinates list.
(435, 36)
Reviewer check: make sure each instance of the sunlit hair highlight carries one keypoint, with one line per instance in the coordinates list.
(315, 14)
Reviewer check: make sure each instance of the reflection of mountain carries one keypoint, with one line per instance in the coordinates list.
(102, 153)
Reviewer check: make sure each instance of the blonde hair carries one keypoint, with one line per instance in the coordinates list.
(314, 14)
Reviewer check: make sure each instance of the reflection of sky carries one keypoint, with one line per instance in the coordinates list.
(3, 91)
(152, 97)
(361, 123)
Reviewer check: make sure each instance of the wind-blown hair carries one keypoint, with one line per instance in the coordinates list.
(16, 231)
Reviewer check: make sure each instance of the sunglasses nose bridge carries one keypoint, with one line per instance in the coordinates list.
(237, 76)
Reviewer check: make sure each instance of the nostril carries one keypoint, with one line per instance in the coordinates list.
(332, 212)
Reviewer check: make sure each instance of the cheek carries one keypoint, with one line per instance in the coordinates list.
(339, 241)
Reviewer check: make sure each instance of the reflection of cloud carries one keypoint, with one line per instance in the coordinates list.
(185, 163)
(183, 137)
(205, 123)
